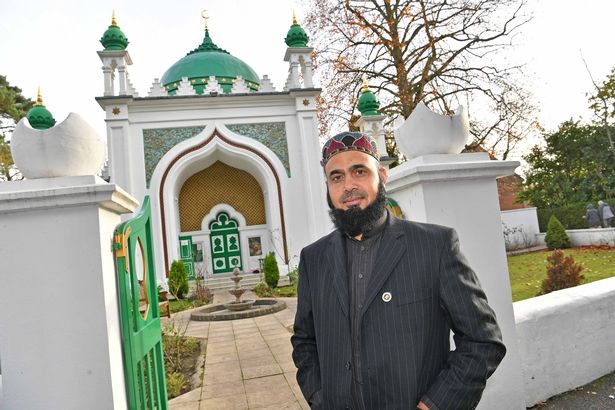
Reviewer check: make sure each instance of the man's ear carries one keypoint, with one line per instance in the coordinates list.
(382, 171)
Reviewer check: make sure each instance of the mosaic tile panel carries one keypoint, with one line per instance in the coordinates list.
(158, 141)
(270, 134)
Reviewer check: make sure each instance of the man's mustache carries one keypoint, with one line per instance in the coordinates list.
(353, 194)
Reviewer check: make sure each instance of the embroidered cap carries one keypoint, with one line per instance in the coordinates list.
(349, 141)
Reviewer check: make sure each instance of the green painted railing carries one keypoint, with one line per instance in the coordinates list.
(139, 312)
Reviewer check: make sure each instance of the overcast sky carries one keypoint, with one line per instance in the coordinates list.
(54, 44)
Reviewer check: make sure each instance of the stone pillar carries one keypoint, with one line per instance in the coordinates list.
(108, 77)
(319, 223)
(60, 340)
(308, 81)
(459, 190)
(294, 75)
(121, 70)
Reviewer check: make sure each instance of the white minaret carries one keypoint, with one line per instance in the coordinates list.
(115, 57)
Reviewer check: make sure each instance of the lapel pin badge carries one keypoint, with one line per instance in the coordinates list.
(386, 297)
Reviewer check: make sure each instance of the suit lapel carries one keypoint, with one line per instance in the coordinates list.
(337, 269)
(390, 251)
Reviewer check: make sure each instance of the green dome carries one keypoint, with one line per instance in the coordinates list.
(296, 36)
(39, 117)
(114, 39)
(368, 104)
(209, 60)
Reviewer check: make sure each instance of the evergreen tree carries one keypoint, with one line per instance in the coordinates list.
(556, 237)
(270, 267)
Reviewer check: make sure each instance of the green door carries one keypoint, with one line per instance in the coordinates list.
(225, 245)
(185, 254)
(139, 313)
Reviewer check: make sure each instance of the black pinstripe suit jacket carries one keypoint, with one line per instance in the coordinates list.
(405, 353)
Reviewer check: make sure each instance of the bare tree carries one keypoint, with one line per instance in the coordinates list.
(509, 119)
(433, 51)
(603, 102)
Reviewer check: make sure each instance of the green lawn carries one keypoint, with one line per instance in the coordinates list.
(184, 304)
(527, 271)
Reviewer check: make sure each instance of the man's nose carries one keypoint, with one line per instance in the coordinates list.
(349, 183)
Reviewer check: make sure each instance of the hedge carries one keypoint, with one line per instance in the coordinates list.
(571, 216)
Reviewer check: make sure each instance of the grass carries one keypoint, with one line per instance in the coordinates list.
(184, 304)
(286, 291)
(527, 271)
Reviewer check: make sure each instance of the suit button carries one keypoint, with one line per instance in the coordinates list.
(347, 366)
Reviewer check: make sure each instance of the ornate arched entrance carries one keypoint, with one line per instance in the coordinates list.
(218, 206)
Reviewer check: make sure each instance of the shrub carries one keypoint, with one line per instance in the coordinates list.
(263, 290)
(202, 293)
(293, 276)
(178, 280)
(176, 384)
(556, 237)
(570, 215)
(562, 273)
(180, 354)
(272, 273)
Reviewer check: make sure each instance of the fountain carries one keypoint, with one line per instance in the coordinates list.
(238, 309)
(238, 305)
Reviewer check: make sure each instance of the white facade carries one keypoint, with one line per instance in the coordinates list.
(205, 130)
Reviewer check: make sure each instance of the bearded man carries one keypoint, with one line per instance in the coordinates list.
(378, 298)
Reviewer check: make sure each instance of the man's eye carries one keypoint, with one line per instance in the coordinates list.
(336, 178)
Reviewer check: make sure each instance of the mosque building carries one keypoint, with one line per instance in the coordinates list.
(230, 164)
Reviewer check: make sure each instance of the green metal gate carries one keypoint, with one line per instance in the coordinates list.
(139, 313)
(225, 244)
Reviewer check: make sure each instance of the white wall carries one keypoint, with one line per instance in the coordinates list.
(520, 227)
(586, 237)
(566, 338)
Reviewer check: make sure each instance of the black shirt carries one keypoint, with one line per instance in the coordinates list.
(360, 259)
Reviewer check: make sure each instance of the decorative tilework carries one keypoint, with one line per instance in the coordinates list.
(158, 141)
(270, 134)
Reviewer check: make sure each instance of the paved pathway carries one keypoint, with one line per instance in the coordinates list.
(248, 362)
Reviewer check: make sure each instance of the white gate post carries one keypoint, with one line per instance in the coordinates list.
(60, 342)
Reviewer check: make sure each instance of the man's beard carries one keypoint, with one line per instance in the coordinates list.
(354, 220)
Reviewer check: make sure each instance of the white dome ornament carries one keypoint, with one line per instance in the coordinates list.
(425, 132)
(71, 148)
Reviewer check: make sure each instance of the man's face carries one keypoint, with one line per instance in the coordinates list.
(352, 179)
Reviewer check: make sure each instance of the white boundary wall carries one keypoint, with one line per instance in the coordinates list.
(566, 338)
(520, 227)
(586, 237)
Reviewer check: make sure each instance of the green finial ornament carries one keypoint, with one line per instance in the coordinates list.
(207, 45)
(114, 39)
(368, 103)
(296, 36)
(39, 117)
